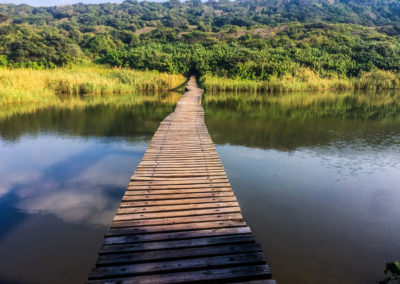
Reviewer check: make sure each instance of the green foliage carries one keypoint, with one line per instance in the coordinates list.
(246, 40)
(392, 268)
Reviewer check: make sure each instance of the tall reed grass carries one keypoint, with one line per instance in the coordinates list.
(28, 85)
(304, 80)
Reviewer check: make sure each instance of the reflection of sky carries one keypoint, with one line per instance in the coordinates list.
(335, 204)
(61, 182)
(66, 177)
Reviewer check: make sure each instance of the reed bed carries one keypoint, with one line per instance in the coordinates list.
(39, 86)
(304, 80)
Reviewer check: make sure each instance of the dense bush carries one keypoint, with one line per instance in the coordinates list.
(251, 40)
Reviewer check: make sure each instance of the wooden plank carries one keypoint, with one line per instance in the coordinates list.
(173, 244)
(179, 220)
(142, 185)
(180, 213)
(175, 227)
(182, 207)
(179, 253)
(175, 191)
(178, 201)
(178, 265)
(218, 274)
(129, 197)
(178, 181)
(176, 235)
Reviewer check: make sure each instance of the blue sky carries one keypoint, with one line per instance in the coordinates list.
(55, 2)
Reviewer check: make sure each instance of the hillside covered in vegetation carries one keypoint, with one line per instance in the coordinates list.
(244, 39)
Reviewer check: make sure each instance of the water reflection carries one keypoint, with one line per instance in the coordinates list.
(63, 171)
(317, 178)
(319, 188)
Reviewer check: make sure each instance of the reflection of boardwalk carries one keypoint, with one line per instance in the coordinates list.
(179, 220)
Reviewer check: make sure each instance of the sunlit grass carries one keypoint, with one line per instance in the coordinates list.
(304, 80)
(43, 86)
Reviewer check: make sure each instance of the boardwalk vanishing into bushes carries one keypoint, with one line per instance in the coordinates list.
(179, 220)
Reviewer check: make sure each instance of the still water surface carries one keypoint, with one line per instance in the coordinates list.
(318, 185)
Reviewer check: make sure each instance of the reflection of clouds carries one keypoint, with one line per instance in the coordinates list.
(33, 153)
(22, 162)
(70, 205)
(79, 182)
(111, 170)
(4, 190)
(9, 180)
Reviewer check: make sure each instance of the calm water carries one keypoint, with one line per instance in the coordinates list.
(321, 193)
(63, 172)
(320, 185)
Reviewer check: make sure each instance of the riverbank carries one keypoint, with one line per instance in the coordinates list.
(24, 85)
(304, 80)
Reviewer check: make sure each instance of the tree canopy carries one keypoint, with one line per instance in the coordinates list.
(251, 39)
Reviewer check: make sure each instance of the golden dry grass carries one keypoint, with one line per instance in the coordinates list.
(34, 86)
(304, 80)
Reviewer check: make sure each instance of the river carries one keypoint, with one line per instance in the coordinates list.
(317, 179)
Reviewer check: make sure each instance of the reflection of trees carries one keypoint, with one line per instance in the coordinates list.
(287, 129)
(98, 120)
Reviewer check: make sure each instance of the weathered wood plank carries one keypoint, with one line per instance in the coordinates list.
(179, 220)
(178, 201)
(180, 213)
(234, 273)
(175, 191)
(179, 207)
(173, 244)
(178, 265)
(176, 235)
(129, 197)
(175, 227)
(179, 253)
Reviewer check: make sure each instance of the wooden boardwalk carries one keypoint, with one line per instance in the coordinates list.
(179, 220)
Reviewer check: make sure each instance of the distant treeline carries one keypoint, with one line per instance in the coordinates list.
(252, 39)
